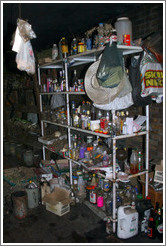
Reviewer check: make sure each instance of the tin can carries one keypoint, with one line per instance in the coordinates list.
(126, 39)
(20, 204)
(106, 185)
(93, 195)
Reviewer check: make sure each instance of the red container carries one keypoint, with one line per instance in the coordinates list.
(126, 39)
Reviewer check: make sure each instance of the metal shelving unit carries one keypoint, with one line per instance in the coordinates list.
(76, 60)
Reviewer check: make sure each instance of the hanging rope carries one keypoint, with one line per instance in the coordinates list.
(20, 10)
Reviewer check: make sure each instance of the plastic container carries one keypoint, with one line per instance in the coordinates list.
(134, 162)
(33, 196)
(127, 222)
(123, 27)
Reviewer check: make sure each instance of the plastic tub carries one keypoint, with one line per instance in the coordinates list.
(123, 27)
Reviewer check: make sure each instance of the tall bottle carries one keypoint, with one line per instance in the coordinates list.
(140, 161)
(159, 224)
(134, 162)
(64, 47)
(54, 52)
(74, 86)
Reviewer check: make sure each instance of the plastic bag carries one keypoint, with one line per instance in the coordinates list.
(151, 75)
(25, 30)
(25, 58)
(57, 101)
(110, 71)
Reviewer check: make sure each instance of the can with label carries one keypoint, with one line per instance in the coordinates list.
(126, 39)
(93, 195)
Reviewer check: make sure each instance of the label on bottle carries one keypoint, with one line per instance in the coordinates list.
(150, 232)
(64, 48)
(126, 39)
(93, 197)
(160, 228)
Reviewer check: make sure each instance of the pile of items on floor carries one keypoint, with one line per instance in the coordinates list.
(49, 185)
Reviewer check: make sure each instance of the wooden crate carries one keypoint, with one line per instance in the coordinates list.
(156, 196)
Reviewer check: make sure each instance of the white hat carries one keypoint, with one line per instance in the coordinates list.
(99, 94)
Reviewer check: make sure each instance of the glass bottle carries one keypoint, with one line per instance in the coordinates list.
(64, 46)
(94, 180)
(140, 161)
(93, 113)
(89, 143)
(159, 224)
(81, 187)
(74, 85)
(134, 162)
(74, 46)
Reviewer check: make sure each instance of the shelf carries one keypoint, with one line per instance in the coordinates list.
(130, 135)
(77, 129)
(88, 56)
(63, 92)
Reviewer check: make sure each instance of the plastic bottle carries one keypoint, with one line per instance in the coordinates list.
(100, 198)
(123, 26)
(151, 227)
(54, 52)
(134, 162)
(81, 187)
(74, 46)
(64, 46)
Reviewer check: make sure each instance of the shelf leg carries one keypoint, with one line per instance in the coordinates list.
(147, 149)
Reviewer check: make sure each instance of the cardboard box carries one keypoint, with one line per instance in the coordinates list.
(156, 196)
(158, 176)
(58, 202)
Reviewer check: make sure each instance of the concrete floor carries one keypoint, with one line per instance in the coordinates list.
(80, 225)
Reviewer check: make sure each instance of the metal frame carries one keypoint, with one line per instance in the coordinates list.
(76, 60)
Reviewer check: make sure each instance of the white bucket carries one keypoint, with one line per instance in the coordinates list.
(123, 26)
(127, 222)
(33, 197)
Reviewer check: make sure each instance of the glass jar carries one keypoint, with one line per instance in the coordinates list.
(13, 149)
(28, 158)
(6, 148)
(19, 152)
(106, 185)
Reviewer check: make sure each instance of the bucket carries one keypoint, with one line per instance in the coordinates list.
(123, 27)
(33, 197)
(19, 202)
(127, 222)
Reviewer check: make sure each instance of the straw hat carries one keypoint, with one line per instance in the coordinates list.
(99, 94)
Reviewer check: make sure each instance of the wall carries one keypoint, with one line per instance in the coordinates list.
(147, 19)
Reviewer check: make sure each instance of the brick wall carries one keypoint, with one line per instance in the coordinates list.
(149, 18)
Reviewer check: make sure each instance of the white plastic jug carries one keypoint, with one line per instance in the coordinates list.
(33, 197)
(123, 26)
(127, 222)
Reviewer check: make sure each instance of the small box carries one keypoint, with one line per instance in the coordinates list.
(58, 202)
(58, 209)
